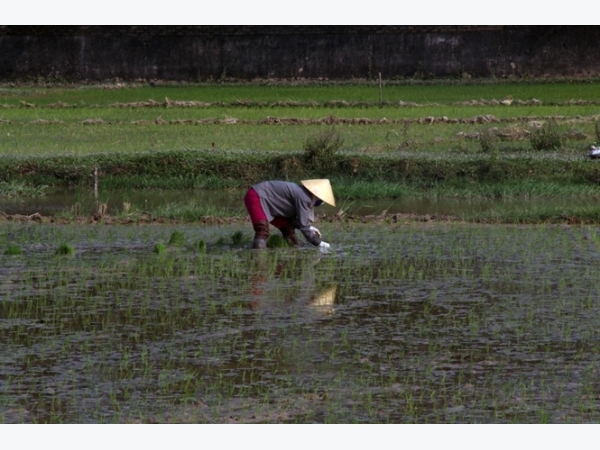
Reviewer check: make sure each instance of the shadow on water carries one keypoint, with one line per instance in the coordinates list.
(448, 323)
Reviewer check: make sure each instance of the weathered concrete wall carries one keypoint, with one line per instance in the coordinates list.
(337, 52)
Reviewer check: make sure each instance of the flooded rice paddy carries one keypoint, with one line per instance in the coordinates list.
(81, 202)
(429, 323)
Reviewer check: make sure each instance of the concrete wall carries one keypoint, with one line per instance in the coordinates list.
(198, 53)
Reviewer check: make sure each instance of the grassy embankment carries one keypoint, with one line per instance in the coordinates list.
(439, 139)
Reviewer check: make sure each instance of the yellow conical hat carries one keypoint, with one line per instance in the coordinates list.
(320, 189)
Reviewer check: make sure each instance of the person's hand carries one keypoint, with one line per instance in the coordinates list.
(316, 231)
(324, 246)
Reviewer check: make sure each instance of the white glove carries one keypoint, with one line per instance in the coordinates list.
(317, 232)
(324, 246)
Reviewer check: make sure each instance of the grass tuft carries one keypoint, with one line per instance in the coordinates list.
(17, 188)
(489, 142)
(320, 149)
(548, 137)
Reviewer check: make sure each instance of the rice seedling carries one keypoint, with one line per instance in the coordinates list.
(276, 241)
(12, 250)
(200, 246)
(65, 250)
(177, 239)
(160, 248)
(238, 238)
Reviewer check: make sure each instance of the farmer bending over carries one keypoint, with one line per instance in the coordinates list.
(287, 206)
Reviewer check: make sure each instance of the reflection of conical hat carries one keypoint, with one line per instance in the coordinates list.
(321, 189)
(325, 298)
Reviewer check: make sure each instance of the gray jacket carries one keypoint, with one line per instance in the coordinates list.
(291, 201)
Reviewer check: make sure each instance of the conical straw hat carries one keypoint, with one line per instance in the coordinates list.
(320, 189)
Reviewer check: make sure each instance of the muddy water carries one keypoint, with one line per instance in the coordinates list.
(61, 201)
(57, 201)
(436, 323)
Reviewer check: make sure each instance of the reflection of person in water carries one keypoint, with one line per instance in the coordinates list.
(267, 287)
(258, 281)
(287, 206)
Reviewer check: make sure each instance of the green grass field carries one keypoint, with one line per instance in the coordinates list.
(441, 116)
(438, 138)
(440, 91)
